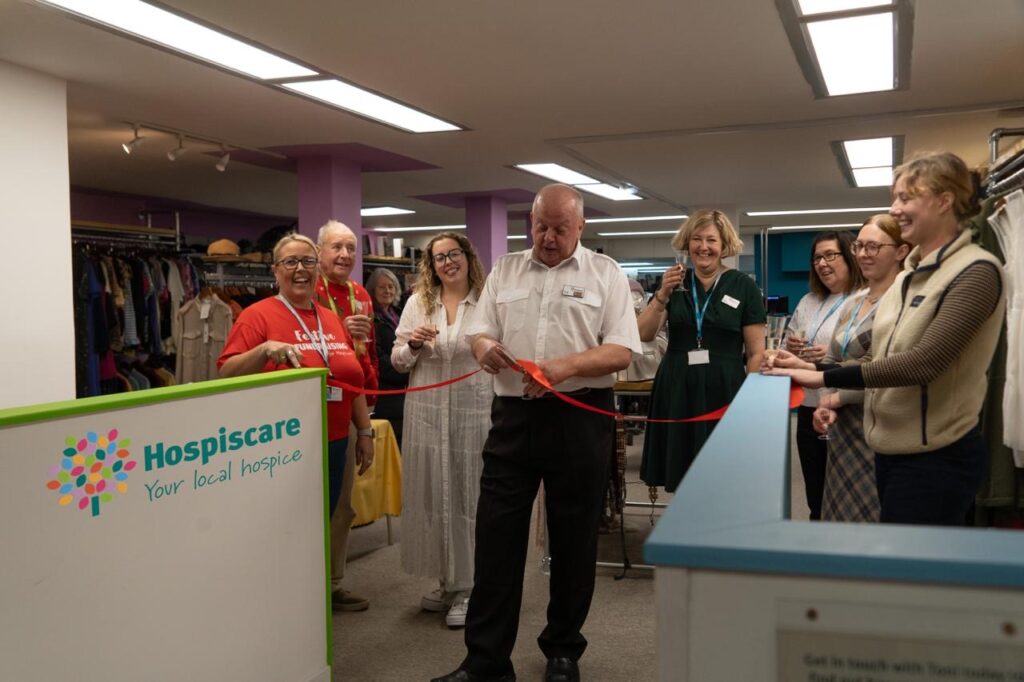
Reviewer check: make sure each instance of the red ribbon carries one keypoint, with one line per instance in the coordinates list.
(796, 396)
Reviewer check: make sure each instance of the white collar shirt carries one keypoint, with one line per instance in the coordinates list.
(540, 313)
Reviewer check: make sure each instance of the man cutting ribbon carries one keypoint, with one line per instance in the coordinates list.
(569, 310)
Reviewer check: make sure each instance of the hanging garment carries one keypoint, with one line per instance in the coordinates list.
(176, 296)
(204, 324)
(1007, 223)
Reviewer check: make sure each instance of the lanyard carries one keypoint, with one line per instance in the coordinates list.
(849, 325)
(330, 299)
(324, 351)
(698, 311)
(821, 322)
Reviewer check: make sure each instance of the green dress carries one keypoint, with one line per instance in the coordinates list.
(683, 391)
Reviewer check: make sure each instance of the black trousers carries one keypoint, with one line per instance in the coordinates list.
(813, 454)
(568, 449)
(934, 488)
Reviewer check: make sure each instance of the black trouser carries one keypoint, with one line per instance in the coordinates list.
(813, 455)
(568, 449)
(933, 488)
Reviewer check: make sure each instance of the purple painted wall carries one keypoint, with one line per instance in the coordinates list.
(199, 223)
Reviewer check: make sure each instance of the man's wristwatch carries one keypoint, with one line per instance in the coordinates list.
(366, 432)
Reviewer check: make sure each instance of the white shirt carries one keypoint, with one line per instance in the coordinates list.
(540, 313)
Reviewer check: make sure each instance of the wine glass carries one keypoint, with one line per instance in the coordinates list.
(775, 330)
(828, 420)
(359, 340)
(683, 261)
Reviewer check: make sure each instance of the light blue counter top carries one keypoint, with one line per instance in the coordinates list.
(731, 512)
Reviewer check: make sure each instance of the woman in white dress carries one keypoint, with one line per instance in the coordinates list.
(445, 428)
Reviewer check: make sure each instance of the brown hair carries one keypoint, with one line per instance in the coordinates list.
(731, 242)
(886, 223)
(427, 281)
(843, 239)
(940, 172)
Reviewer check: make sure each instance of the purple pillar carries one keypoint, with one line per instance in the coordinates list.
(529, 232)
(331, 188)
(487, 227)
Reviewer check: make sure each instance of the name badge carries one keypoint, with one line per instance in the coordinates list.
(333, 394)
(573, 292)
(730, 301)
(699, 356)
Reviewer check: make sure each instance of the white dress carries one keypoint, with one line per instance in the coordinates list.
(442, 446)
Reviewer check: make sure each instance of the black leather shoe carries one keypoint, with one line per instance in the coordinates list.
(461, 675)
(562, 669)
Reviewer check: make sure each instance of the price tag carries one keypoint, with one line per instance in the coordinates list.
(204, 309)
(333, 394)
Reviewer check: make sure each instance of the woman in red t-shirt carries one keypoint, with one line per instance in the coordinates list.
(290, 330)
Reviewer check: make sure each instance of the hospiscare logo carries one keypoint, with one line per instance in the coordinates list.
(91, 469)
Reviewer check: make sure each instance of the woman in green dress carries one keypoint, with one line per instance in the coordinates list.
(716, 320)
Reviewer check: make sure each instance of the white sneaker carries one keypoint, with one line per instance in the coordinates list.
(438, 600)
(456, 617)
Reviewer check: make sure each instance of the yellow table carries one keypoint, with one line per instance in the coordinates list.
(378, 492)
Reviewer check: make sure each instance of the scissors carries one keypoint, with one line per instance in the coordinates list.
(503, 354)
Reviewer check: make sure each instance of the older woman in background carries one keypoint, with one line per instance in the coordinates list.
(263, 340)
(834, 276)
(445, 429)
(715, 336)
(850, 492)
(933, 338)
(384, 290)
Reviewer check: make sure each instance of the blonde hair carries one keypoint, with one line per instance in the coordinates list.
(940, 172)
(294, 237)
(427, 282)
(731, 242)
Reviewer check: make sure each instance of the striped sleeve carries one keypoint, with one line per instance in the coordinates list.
(969, 301)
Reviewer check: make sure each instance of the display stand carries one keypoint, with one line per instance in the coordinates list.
(170, 534)
(744, 593)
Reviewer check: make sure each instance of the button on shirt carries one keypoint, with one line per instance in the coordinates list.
(540, 313)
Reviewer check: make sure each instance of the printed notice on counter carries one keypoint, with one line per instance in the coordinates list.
(846, 657)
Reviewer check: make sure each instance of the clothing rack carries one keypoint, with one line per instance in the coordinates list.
(996, 135)
(108, 234)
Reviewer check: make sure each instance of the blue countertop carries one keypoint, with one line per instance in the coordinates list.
(731, 513)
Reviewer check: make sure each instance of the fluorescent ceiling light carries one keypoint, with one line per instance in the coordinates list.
(795, 228)
(377, 211)
(660, 269)
(365, 103)
(855, 54)
(636, 234)
(634, 265)
(426, 228)
(754, 214)
(873, 177)
(808, 7)
(871, 153)
(181, 34)
(607, 191)
(557, 172)
(517, 236)
(638, 219)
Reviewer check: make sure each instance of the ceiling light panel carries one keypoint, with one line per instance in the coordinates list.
(371, 105)
(378, 211)
(809, 7)
(425, 228)
(866, 209)
(872, 153)
(558, 173)
(638, 219)
(654, 233)
(610, 192)
(796, 228)
(873, 177)
(855, 54)
(184, 35)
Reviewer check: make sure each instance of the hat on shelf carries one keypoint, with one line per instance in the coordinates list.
(222, 249)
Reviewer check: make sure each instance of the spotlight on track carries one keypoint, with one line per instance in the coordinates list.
(178, 151)
(224, 159)
(130, 146)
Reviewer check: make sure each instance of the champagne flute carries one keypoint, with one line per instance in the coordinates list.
(682, 260)
(432, 344)
(775, 330)
(359, 340)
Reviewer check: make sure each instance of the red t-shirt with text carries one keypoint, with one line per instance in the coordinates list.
(270, 320)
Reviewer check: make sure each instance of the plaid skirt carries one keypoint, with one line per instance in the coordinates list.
(850, 490)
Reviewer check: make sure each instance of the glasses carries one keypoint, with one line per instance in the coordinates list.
(291, 263)
(869, 248)
(825, 257)
(454, 256)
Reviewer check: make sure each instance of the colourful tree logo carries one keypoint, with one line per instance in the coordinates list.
(91, 468)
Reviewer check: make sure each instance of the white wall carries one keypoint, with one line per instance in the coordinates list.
(37, 343)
